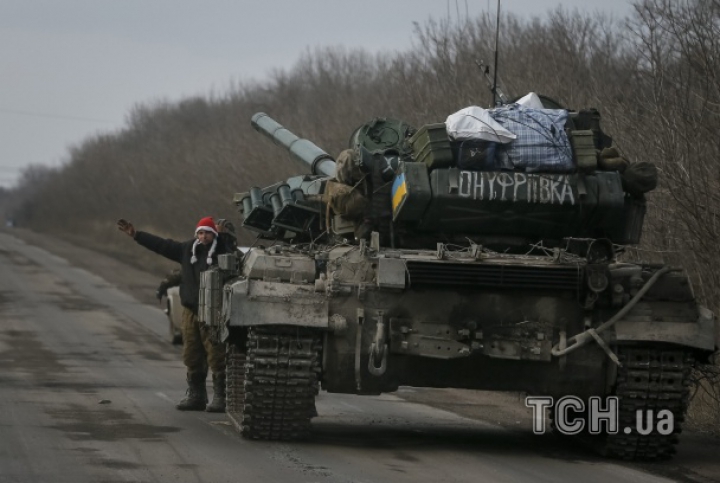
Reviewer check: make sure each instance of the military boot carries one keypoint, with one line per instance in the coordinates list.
(218, 403)
(196, 396)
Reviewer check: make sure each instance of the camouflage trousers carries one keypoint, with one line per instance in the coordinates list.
(199, 351)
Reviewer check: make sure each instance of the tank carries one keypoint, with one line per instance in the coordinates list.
(409, 261)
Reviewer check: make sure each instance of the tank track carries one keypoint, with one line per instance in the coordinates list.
(235, 382)
(650, 378)
(271, 387)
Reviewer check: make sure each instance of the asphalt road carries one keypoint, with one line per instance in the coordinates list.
(88, 385)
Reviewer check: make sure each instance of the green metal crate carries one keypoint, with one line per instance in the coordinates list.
(583, 147)
(431, 146)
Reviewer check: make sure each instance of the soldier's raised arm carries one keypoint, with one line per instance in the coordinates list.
(126, 227)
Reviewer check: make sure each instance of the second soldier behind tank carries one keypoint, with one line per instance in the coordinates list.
(172, 279)
(199, 351)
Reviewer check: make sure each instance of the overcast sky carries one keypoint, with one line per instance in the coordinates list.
(73, 68)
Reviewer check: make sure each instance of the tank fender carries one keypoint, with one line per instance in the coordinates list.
(257, 302)
(272, 267)
(650, 327)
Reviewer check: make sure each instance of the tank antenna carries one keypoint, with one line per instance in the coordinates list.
(499, 98)
(495, 67)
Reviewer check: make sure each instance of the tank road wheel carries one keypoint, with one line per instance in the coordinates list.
(650, 379)
(280, 382)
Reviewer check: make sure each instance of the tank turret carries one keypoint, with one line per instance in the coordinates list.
(414, 187)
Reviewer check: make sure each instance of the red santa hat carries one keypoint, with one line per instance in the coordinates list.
(205, 224)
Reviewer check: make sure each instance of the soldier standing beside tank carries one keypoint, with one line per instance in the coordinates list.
(199, 351)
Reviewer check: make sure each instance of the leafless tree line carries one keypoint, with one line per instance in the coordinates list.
(654, 76)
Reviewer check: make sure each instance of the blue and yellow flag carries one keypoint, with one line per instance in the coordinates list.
(399, 192)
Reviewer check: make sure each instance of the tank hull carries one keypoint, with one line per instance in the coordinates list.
(393, 318)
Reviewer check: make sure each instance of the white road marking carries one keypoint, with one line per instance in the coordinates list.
(164, 397)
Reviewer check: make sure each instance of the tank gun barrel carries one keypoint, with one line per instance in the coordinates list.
(321, 163)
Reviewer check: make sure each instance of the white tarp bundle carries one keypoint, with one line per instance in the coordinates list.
(531, 100)
(475, 123)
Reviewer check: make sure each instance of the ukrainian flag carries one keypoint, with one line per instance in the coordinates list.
(399, 192)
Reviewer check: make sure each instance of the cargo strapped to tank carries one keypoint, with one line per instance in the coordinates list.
(542, 144)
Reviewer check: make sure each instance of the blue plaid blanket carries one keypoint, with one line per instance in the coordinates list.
(541, 144)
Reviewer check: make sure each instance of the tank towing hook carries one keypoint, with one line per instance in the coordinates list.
(577, 341)
(378, 349)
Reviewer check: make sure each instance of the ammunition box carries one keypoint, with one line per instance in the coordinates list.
(583, 147)
(431, 146)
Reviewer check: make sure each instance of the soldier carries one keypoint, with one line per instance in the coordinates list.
(199, 350)
(172, 279)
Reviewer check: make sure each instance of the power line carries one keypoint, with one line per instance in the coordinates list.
(54, 116)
